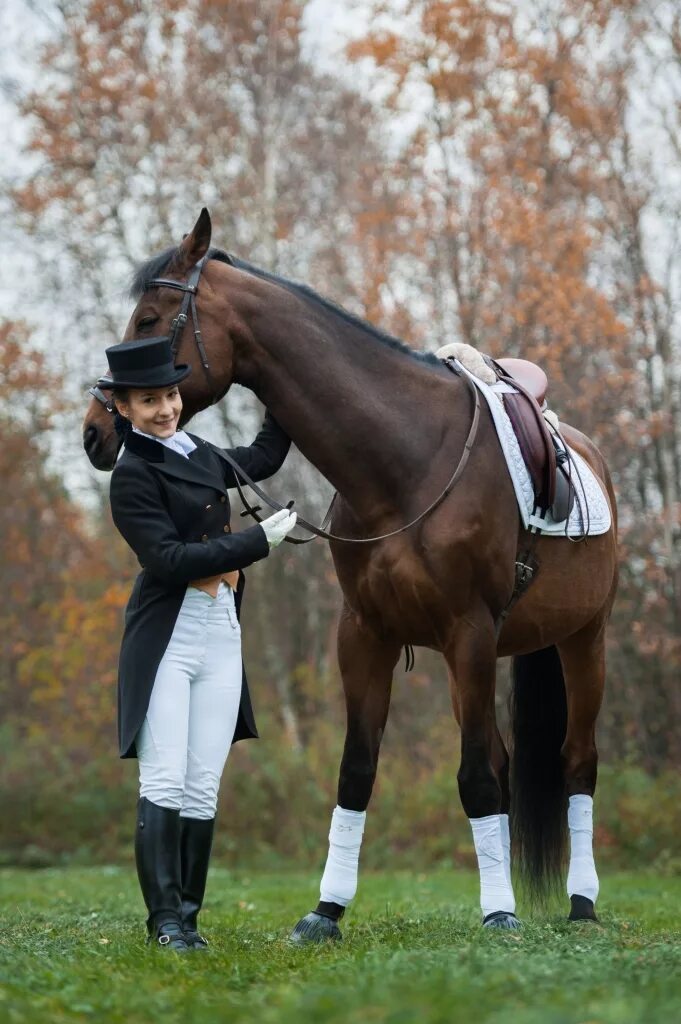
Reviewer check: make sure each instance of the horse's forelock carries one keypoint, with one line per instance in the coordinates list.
(146, 272)
(156, 266)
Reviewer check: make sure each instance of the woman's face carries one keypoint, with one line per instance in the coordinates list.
(152, 410)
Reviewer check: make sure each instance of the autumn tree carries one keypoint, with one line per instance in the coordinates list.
(642, 210)
(149, 113)
(58, 579)
(473, 171)
(530, 205)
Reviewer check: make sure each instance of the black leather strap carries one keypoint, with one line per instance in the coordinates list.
(188, 308)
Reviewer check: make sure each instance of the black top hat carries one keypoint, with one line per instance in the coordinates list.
(142, 363)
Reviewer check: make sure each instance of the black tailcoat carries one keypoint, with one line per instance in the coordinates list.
(174, 513)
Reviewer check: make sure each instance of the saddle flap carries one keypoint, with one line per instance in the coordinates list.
(535, 445)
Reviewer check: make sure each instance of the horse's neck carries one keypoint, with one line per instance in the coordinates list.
(350, 403)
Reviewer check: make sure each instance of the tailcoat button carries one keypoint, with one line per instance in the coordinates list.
(223, 499)
(226, 528)
(204, 538)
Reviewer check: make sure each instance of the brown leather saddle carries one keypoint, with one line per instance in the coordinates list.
(543, 451)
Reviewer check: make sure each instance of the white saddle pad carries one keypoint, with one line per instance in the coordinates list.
(590, 509)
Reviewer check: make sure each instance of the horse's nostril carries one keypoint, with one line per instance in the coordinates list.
(90, 440)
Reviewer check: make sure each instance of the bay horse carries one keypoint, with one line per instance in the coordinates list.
(386, 425)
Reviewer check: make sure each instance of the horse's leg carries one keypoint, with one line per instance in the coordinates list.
(483, 773)
(366, 663)
(583, 660)
(501, 765)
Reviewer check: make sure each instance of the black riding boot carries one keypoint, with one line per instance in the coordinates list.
(157, 854)
(196, 838)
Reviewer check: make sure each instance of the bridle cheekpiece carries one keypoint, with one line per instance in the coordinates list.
(187, 309)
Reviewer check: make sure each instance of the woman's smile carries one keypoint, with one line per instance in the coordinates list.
(166, 426)
(153, 411)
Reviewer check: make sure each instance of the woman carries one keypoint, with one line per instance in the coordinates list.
(182, 694)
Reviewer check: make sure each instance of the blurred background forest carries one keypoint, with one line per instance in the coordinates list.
(506, 174)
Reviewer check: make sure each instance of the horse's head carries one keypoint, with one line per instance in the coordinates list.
(158, 305)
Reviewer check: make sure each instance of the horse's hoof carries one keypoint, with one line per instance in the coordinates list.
(582, 909)
(315, 927)
(502, 919)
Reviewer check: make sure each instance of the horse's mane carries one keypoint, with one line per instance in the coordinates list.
(157, 265)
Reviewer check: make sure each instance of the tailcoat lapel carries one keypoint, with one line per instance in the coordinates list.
(198, 468)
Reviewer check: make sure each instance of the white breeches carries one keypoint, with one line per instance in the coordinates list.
(186, 736)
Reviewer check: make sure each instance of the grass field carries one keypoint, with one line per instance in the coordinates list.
(71, 949)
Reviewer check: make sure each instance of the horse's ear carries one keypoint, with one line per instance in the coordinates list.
(195, 245)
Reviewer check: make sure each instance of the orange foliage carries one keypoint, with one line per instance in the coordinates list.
(524, 238)
(488, 195)
(61, 613)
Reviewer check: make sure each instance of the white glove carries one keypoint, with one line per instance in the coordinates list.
(277, 526)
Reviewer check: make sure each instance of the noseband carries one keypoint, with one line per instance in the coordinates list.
(97, 392)
(177, 325)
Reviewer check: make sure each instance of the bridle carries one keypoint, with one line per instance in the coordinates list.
(187, 309)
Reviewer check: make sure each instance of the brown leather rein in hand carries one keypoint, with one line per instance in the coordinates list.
(320, 531)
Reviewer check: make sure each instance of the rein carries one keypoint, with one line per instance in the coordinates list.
(188, 308)
(320, 531)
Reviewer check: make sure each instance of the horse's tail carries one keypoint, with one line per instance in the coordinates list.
(538, 792)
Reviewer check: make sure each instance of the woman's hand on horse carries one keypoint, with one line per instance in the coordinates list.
(277, 526)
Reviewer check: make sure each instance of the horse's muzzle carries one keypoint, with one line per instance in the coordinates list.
(101, 455)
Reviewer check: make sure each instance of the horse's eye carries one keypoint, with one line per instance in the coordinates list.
(147, 321)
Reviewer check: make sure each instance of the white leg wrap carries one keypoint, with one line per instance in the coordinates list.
(339, 881)
(582, 878)
(496, 891)
(506, 846)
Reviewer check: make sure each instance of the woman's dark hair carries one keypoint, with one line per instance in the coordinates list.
(122, 393)
(121, 425)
